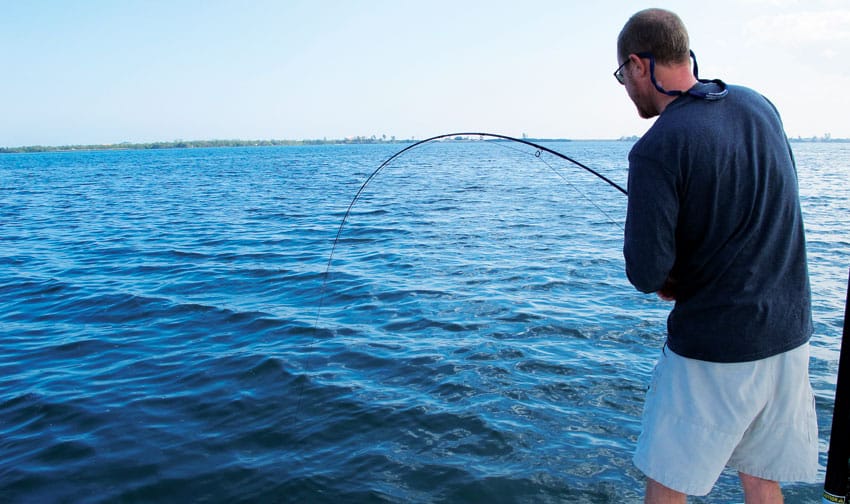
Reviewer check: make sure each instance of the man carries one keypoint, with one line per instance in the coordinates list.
(714, 224)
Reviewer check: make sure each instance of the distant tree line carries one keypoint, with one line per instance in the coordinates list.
(195, 144)
(827, 137)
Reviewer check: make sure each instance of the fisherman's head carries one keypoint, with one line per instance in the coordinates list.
(657, 31)
(652, 46)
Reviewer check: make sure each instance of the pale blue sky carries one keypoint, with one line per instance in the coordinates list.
(85, 72)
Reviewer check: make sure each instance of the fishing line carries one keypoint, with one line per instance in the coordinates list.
(587, 198)
(539, 150)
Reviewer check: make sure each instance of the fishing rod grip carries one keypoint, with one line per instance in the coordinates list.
(835, 486)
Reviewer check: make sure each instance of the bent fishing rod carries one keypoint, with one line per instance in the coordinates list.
(539, 149)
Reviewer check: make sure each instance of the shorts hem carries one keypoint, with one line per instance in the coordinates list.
(677, 482)
(782, 477)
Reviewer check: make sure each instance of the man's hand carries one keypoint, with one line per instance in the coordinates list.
(668, 290)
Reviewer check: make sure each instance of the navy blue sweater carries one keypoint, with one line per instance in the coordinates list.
(714, 208)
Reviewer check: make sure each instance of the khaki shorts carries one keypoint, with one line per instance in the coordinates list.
(756, 417)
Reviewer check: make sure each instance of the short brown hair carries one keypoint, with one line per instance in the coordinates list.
(658, 31)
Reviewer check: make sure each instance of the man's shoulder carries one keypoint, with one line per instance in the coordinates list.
(743, 95)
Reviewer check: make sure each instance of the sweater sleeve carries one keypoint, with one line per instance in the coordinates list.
(649, 245)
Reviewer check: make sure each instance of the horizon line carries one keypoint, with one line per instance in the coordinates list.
(212, 143)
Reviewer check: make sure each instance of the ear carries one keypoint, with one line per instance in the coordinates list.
(640, 67)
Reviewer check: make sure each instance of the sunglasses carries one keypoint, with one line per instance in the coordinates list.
(618, 73)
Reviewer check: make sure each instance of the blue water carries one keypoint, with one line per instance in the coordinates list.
(172, 329)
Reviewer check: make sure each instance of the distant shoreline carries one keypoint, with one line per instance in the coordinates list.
(181, 144)
(200, 144)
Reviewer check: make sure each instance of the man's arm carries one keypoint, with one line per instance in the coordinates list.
(649, 245)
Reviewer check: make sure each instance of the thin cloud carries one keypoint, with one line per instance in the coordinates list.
(801, 28)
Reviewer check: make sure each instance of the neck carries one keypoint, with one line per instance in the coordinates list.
(672, 78)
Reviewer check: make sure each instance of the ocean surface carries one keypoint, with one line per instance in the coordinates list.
(195, 326)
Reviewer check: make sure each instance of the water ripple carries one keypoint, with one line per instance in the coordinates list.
(173, 329)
